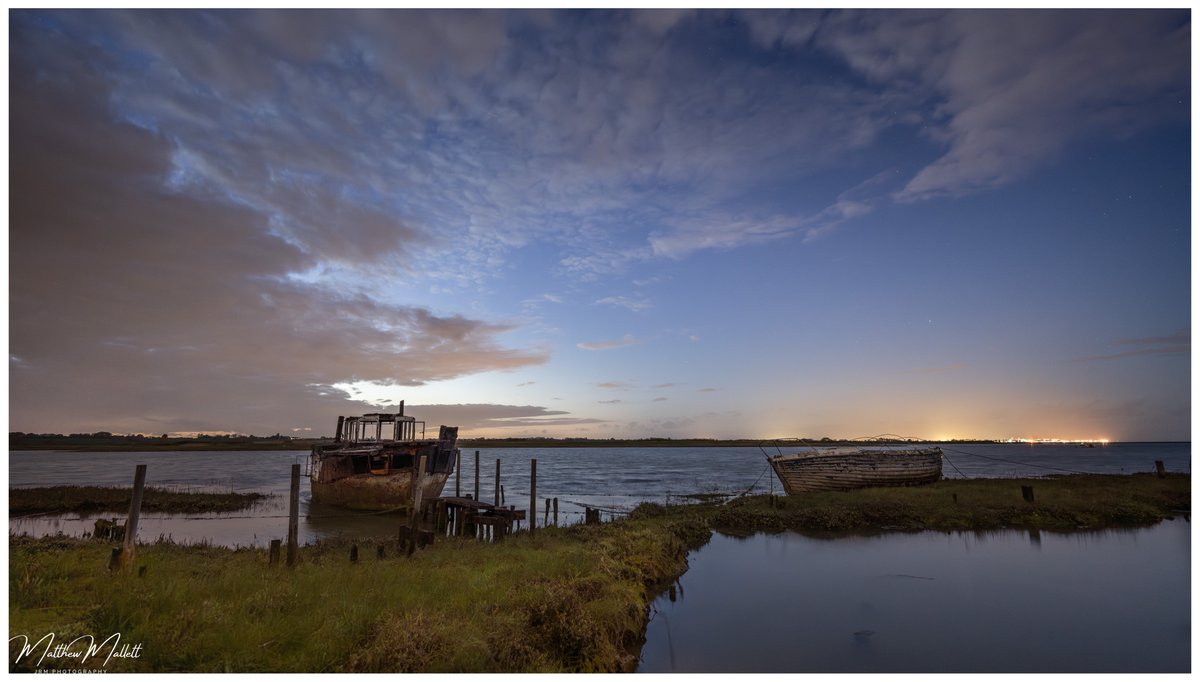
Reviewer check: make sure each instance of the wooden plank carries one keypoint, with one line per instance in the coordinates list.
(532, 496)
(135, 512)
(293, 517)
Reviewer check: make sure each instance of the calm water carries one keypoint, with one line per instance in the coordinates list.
(608, 478)
(1112, 601)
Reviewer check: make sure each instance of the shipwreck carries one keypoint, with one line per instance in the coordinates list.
(373, 462)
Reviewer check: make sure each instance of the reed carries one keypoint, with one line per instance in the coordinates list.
(87, 499)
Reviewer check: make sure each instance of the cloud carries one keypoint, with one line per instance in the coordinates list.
(526, 383)
(139, 304)
(608, 402)
(706, 390)
(626, 340)
(1013, 88)
(614, 385)
(1179, 343)
(633, 304)
(658, 400)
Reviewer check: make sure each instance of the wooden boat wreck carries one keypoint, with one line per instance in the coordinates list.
(372, 462)
(846, 469)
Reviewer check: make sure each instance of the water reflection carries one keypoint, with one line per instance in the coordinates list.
(1004, 601)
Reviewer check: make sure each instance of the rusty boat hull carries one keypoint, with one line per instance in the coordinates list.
(373, 468)
(866, 468)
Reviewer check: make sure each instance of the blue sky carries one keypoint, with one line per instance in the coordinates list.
(603, 223)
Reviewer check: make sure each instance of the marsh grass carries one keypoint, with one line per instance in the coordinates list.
(86, 499)
(1072, 502)
(566, 600)
(570, 599)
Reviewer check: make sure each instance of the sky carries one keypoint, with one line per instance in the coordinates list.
(607, 224)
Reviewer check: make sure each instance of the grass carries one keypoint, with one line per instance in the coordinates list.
(569, 599)
(1064, 503)
(81, 499)
(566, 600)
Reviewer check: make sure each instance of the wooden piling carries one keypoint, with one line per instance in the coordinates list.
(293, 517)
(1027, 493)
(135, 512)
(502, 502)
(476, 476)
(354, 554)
(273, 554)
(418, 485)
(497, 492)
(1162, 470)
(379, 553)
(546, 516)
(114, 559)
(458, 473)
(556, 512)
(532, 496)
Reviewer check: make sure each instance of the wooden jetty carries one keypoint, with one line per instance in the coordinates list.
(467, 517)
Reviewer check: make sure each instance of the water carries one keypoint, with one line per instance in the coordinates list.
(607, 478)
(1008, 601)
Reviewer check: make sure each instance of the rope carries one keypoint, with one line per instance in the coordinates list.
(960, 473)
(1009, 461)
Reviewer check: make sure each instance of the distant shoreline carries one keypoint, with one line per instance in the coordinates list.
(113, 443)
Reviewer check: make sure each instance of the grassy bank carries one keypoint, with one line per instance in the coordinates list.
(1060, 503)
(569, 599)
(86, 499)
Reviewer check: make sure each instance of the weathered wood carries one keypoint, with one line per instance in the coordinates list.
(497, 492)
(458, 473)
(476, 475)
(1027, 493)
(293, 517)
(379, 553)
(418, 484)
(546, 515)
(114, 559)
(273, 553)
(811, 471)
(1160, 468)
(353, 554)
(135, 513)
(556, 512)
(532, 496)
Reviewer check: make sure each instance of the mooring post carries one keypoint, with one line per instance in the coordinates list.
(354, 554)
(476, 476)
(546, 516)
(379, 554)
(1027, 493)
(293, 517)
(497, 501)
(135, 511)
(556, 512)
(418, 484)
(532, 497)
(273, 554)
(458, 473)
(1162, 470)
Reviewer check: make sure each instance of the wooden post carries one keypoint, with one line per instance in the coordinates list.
(273, 555)
(556, 512)
(114, 559)
(1027, 493)
(532, 496)
(379, 552)
(458, 473)
(354, 554)
(546, 516)
(497, 502)
(502, 502)
(418, 484)
(476, 475)
(1162, 470)
(293, 517)
(135, 512)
